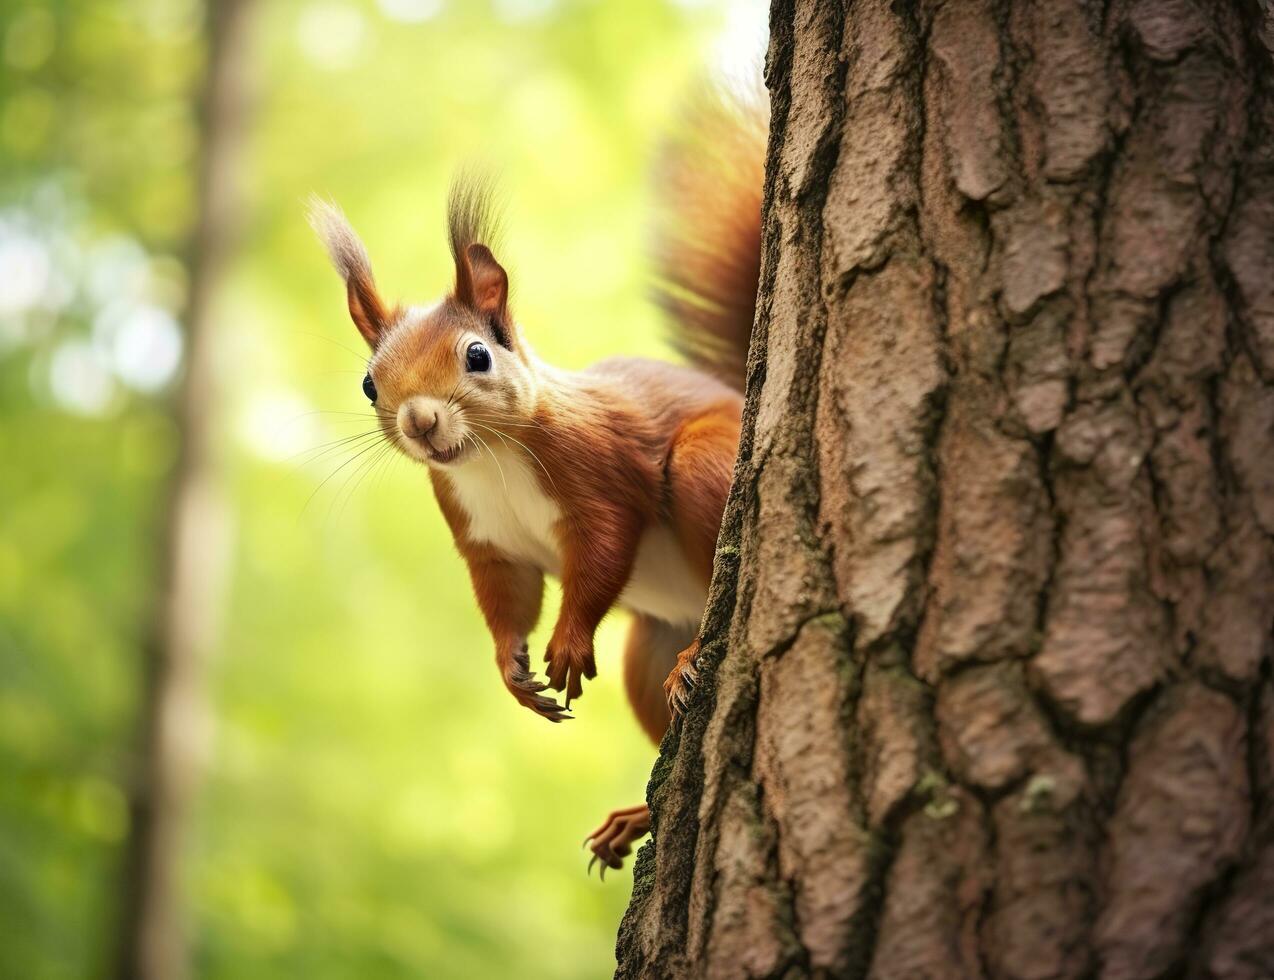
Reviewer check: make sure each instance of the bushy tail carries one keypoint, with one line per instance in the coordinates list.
(707, 235)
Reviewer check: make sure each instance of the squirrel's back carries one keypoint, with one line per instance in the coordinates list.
(707, 230)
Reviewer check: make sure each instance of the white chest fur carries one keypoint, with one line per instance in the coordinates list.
(506, 507)
(663, 584)
(509, 510)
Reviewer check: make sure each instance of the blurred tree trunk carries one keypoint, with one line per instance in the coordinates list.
(152, 939)
(986, 685)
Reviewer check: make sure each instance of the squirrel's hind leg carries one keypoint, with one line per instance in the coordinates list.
(700, 468)
(649, 655)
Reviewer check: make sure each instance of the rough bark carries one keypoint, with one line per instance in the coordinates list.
(152, 943)
(986, 683)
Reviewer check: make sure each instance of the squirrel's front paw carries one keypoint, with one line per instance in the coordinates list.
(524, 686)
(568, 666)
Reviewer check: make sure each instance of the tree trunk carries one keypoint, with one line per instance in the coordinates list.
(986, 682)
(152, 940)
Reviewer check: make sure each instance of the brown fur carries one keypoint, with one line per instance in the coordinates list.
(707, 230)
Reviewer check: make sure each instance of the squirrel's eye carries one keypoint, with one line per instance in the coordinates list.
(478, 358)
(369, 387)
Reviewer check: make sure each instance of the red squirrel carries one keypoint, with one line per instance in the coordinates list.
(612, 479)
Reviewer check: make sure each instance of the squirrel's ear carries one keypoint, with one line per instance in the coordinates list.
(366, 309)
(487, 292)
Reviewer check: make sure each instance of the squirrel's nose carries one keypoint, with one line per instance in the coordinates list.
(416, 421)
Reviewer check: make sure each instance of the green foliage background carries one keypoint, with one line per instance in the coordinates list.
(371, 802)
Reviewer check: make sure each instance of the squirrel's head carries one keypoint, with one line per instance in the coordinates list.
(446, 378)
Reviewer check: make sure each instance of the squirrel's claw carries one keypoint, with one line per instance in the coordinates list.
(548, 708)
(681, 681)
(543, 705)
(612, 841)
(601, 874)
(526, 687)
(568, 669)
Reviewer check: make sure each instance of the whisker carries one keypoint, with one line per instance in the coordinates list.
(468, 390)
(364, 470)
(322, 450)
(319, 451)
(335, 418)
(318, 336)
(348, 415)
(502, 420)
(496, 413)
(494, 459)
(388, 458)
(360, 472)
(504, 435)
(360, 453)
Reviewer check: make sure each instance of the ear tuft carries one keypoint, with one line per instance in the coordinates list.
(482, 285)
(470, 220)
(343, 244)
(349, 256)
